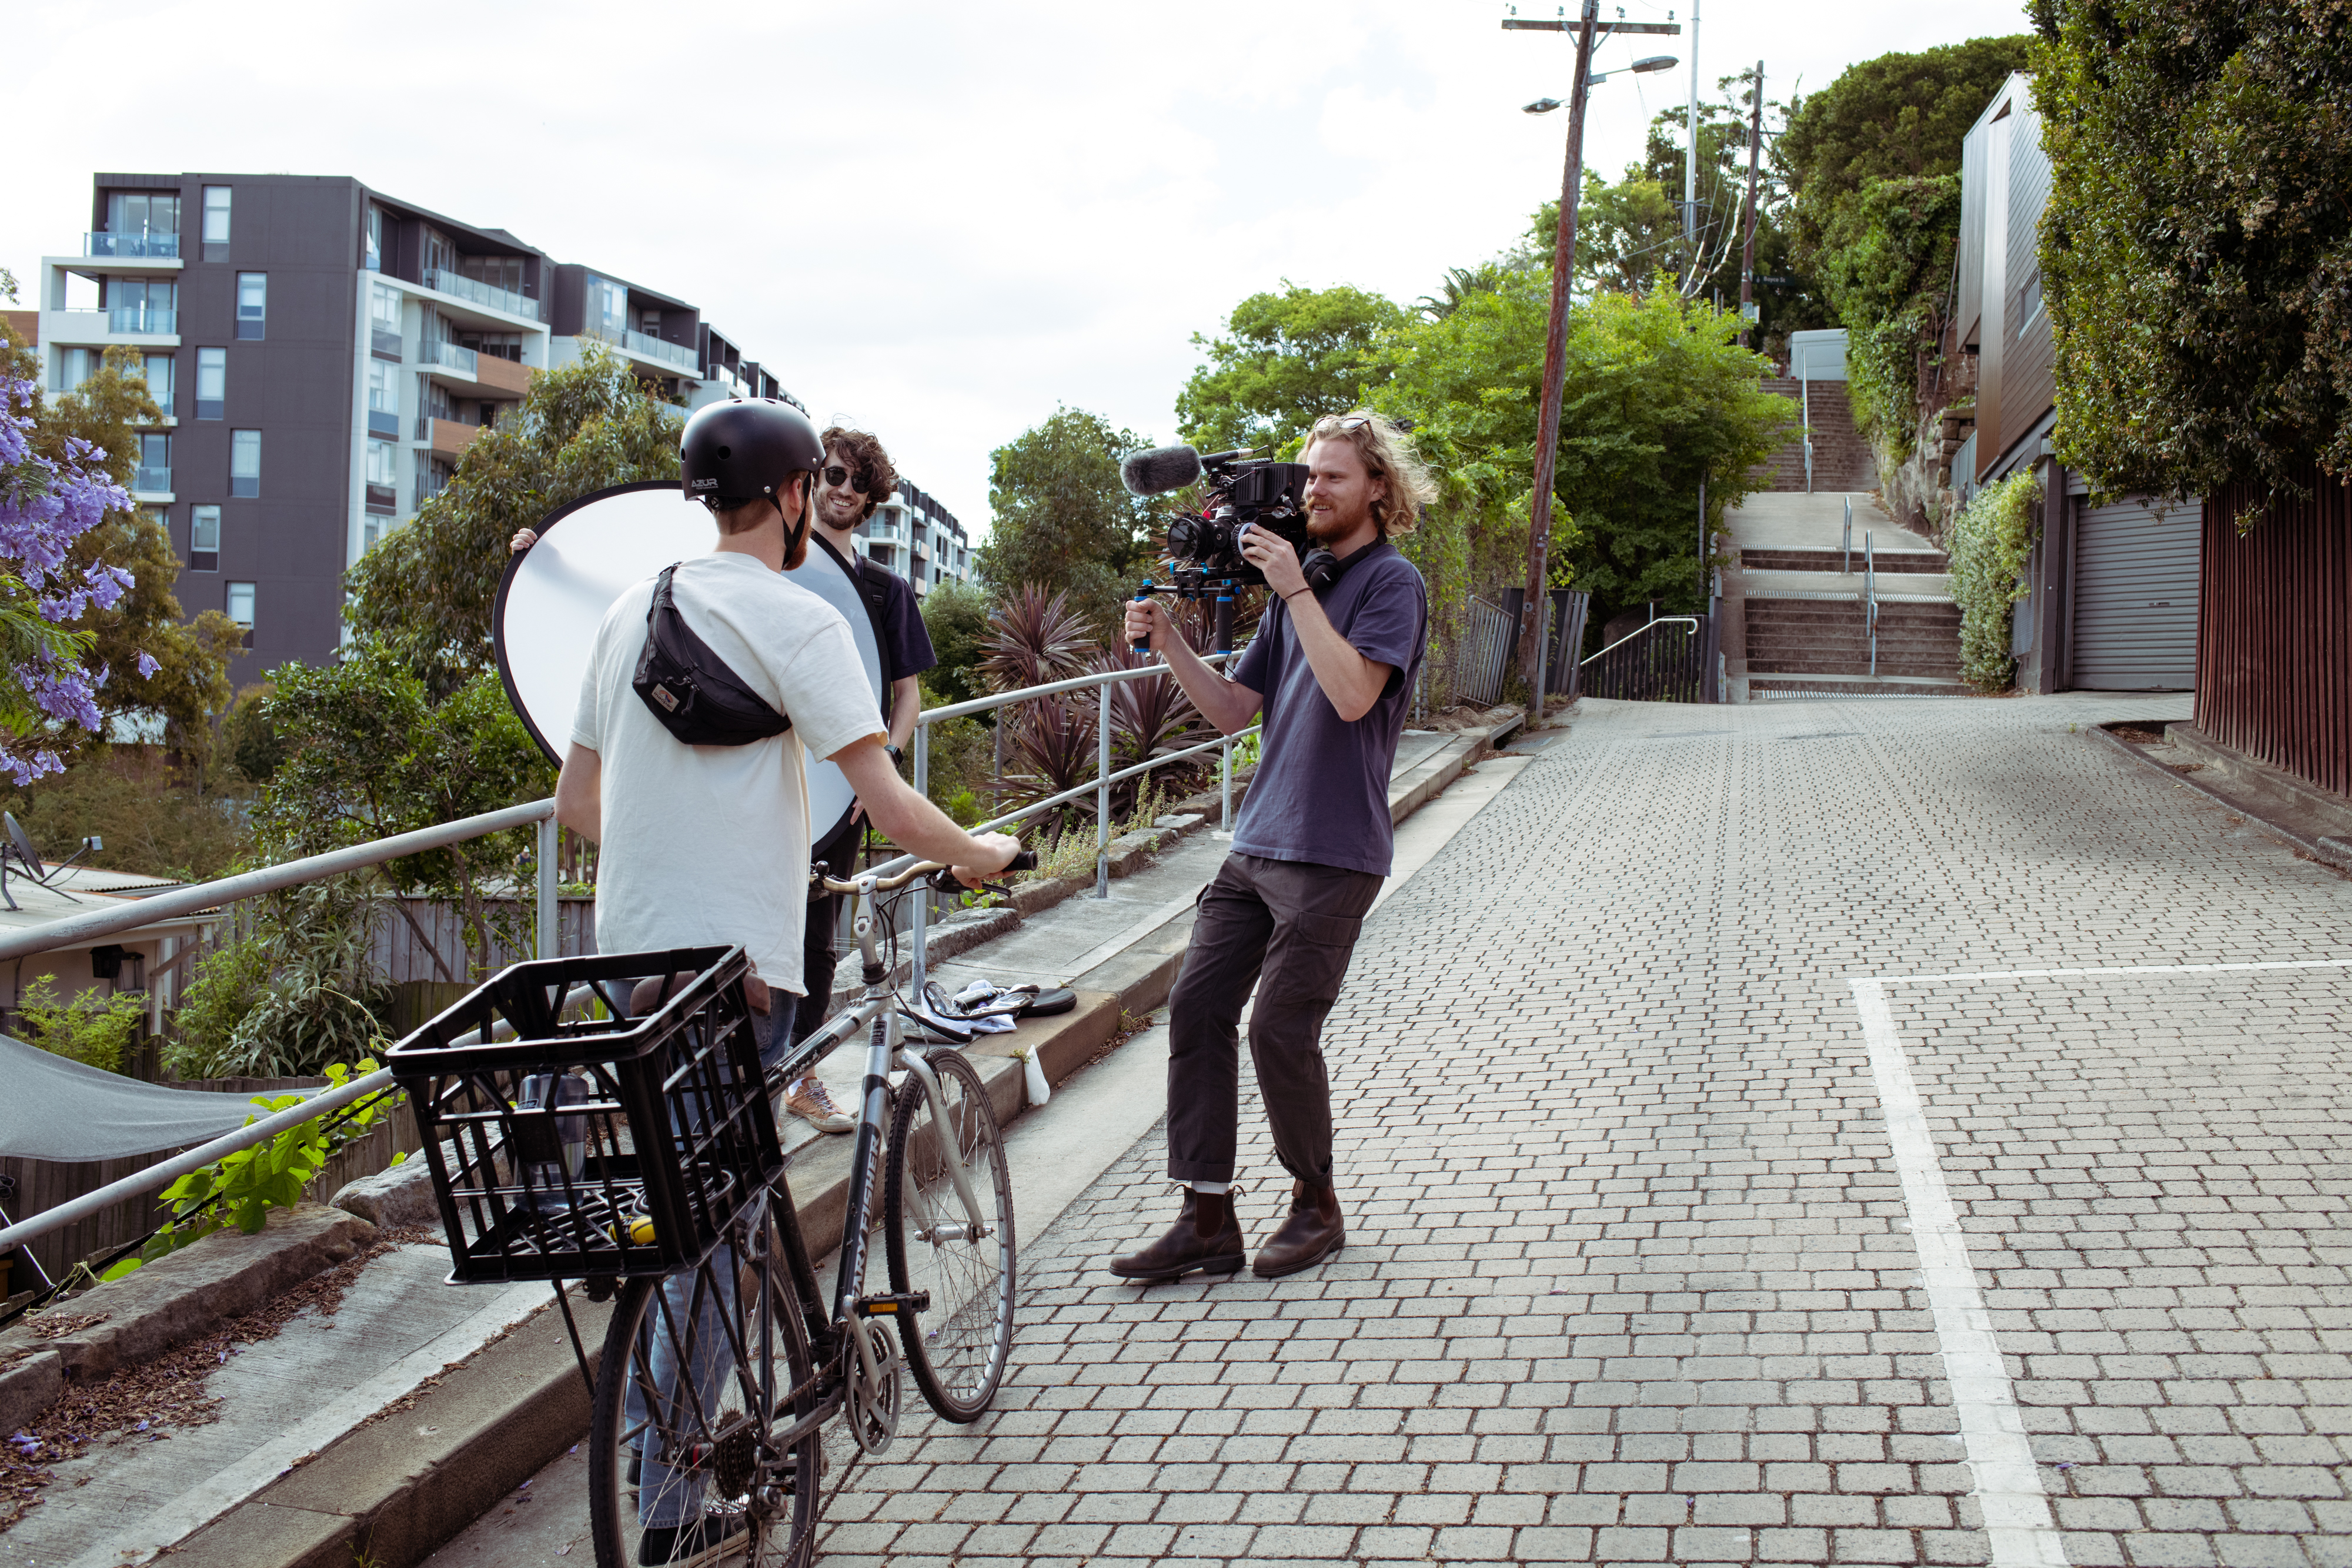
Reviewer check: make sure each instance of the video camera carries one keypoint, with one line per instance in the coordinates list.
(1243, 493)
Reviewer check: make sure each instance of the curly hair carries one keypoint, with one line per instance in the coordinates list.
(867, 463)
(1388, 456)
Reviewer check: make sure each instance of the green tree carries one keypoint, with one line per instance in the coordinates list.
(955, 616)
(1884, 263)
(1286, 359)
(1061, 519)
(427, 591)
(1658, 396)
(1900, 116)
(2197, 249)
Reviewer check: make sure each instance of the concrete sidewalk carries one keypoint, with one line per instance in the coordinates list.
(308, 1399)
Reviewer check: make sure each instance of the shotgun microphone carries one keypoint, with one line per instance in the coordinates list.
(1159, 469)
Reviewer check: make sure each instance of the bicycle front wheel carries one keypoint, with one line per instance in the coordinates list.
(962, 1254)
(696, 1382)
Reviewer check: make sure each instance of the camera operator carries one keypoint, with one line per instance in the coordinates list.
(705, 844)
(1332, 669)
(857, 478)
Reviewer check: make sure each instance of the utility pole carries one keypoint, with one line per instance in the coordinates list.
(1538, 601)
(1747, 251)
(1690, 165)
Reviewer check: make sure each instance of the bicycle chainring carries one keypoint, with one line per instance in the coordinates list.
(874, 1410)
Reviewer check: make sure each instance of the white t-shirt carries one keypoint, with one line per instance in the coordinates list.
(710, 844)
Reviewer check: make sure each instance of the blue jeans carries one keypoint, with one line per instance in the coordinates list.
(673, 1497)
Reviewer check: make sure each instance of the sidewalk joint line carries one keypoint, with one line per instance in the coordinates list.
(2018, 1522)
(2123, 969)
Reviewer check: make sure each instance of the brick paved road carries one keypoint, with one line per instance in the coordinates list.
(1631, 1278)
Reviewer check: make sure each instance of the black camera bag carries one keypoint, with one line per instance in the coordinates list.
(688, 687)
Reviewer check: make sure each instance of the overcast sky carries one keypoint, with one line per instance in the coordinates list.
(936, 221)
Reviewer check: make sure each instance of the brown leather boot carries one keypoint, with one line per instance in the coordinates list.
(1206, 1236)
(1312, 1233)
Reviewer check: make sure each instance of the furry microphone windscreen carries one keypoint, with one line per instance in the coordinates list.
(1159, 469)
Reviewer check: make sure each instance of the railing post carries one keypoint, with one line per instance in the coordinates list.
(1102, 794)
(922, 894)
(551, 936)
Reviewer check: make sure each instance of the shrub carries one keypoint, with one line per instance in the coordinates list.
(1992, 539)
(94, 1029)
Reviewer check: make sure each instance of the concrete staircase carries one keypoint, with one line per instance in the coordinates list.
(1841, 458)
(1797, 621)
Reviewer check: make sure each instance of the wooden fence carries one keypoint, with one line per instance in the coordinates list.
(2274, 629)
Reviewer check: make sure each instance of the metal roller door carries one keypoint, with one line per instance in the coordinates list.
(2135, 597)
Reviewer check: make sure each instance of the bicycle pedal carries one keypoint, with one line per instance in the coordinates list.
(892, 1306)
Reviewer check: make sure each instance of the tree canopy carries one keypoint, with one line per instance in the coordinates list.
(1061, 519)
(1286, 358)
(2197, 249)
(427, 590)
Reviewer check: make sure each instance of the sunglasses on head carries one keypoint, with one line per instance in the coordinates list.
(838, 474)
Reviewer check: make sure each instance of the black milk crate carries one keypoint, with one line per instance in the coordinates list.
(607, 1145)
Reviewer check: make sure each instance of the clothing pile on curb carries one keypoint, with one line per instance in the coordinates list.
(983, 1006)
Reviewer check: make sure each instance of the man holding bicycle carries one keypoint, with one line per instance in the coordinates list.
(1332, 669)
(708, 844)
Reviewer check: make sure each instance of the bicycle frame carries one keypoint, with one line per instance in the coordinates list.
(877, 1012)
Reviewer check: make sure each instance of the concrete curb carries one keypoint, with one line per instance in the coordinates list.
(2310, 847)
(388, 1491)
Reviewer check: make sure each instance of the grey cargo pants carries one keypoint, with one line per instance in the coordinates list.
(1290, 927)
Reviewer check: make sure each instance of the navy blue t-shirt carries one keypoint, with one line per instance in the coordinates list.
(1321, 794)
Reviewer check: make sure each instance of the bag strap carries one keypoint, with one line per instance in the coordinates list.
(873, 585)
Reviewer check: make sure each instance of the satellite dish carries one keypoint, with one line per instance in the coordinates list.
(17, 851)
(554, 596)
(21, 842)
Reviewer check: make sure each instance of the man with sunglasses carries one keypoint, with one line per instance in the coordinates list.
(857, 477)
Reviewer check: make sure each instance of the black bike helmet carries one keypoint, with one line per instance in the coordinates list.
(733, 452)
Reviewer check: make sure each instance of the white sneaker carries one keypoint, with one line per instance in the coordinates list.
(813, 1102)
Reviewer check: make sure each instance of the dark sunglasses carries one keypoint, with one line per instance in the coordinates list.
(838, 474)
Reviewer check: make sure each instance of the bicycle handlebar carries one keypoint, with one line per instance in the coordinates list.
(1025, 860)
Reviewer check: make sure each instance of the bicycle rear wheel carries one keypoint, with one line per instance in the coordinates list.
(696, 1454)
(958, 1349)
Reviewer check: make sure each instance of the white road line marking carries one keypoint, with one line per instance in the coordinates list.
(2129, 969)
(2017, 1518)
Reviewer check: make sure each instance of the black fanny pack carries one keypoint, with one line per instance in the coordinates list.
(688, 687)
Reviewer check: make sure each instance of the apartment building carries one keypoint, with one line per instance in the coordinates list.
(322, 354)
(917, 538)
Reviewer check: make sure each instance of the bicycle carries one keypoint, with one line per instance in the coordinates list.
(723, 1361)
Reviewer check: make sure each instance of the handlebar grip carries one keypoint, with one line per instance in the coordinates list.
(1025, 860)
(1142, 595)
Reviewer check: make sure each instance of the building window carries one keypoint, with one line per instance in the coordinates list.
(239, 604)
(215, 214)
(204, 545)
(74, 366)
(154, 471)
(244, 463)
(2029, 302)
(496, 271)
(212, 382)
(383, 477)
(252, 303)
(141, 304)
(383, 398)
(384, 308)
(159, 381)
(606, 307)
(142, 213)
(372, 232)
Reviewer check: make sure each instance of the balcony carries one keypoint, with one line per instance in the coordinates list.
(446, 438)
(676, 357)
(143, 247)
(503, 376)
(448, 356)
(142, 321)
(459, 286)
(146, 481)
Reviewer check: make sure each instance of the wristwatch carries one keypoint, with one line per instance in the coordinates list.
(897, 756)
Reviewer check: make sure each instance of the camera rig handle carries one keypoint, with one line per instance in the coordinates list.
(1143, 594)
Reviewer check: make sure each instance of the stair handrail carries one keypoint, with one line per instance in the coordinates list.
(1870, 596)
(1845, 566)
(1805, 403)
(1689, 623)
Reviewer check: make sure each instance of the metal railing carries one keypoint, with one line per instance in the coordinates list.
(1654, 671)
(1105, 778)
(459, 286)
(77, 929)
(129, 244)
(150, 481)
(644, 343)
(1805, 403)
(1483, 652)
(1870, 597)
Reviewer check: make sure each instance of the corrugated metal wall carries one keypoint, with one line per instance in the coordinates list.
(2275, 632)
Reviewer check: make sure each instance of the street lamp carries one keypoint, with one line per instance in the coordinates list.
(1639, 68)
